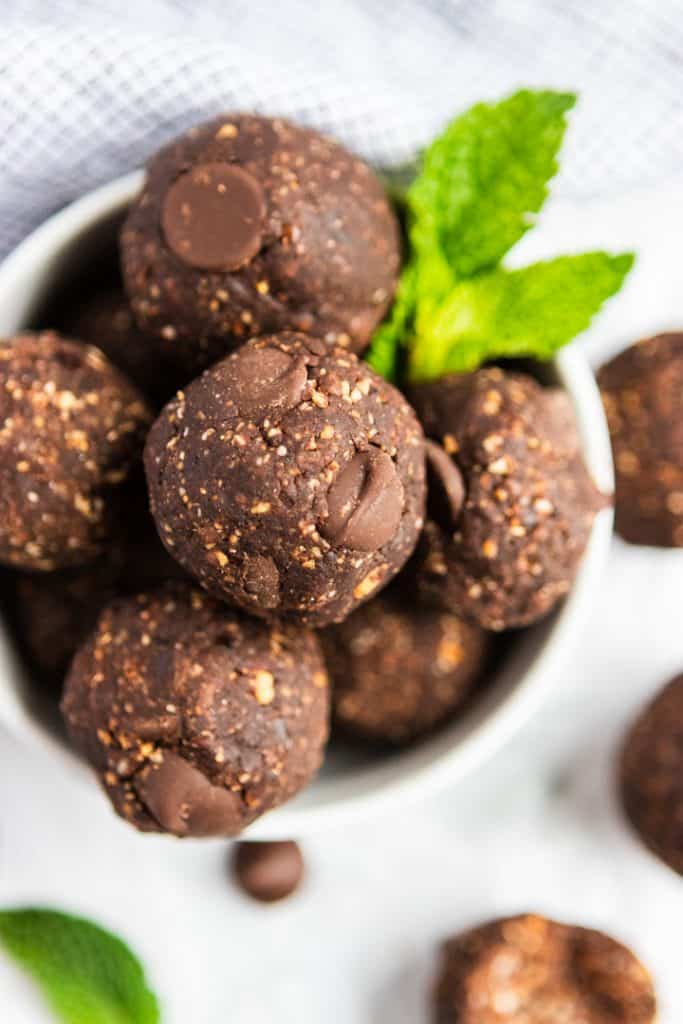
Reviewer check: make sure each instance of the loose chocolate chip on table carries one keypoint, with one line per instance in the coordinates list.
(651, 779)
(530, 970)
(289, 479)
(529, 503)
(267, 871)
(642, 391)
(251, 225)
(196, 718)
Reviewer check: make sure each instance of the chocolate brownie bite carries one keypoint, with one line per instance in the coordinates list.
(642, 391)
(71, 428)
(511, 503)
(54, 612)
(104, 318)
(651, 777)
(250, 225)
(529, 970)
(400, 669)
(288, 479)
(196, 718)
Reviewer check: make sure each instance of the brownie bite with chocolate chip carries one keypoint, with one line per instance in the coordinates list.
(196, 718)
(511, 503)
(651, 778)
(642, 391)
(289, 479)
(250, 225)
(71, 428)
(530, 970)
(400, 669)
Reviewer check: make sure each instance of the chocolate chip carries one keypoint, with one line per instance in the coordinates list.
(266, 380)
(445, 486)
(184, 802)
(212, 216)
(364, 503)
(268, 871)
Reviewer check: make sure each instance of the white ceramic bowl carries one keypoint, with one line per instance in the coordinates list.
(351, 783)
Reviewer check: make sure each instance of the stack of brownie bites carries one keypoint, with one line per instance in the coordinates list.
(325, 540)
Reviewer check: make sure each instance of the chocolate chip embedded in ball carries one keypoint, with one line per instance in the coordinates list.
(507, 528)
(289, 479)
(196, 718)
(213, 216)
(652, 775)
(250, 225)
(268, 871)
(400, 669)
(72, 427)
(642, 391)
(529, 970)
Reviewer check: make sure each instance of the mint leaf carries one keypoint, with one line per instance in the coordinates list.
(528, 312)
(87, 975)
(485, 177)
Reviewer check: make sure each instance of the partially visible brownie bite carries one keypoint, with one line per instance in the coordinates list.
(530, 970)
(400, 669)
(511, 508)
(55, 611)
(642, 391)
(103, 318)
(288, 479)
(651, 777)
(71, 428)
(251, 225)
(196, 718)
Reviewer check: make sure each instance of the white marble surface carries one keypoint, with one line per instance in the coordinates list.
(537, 828)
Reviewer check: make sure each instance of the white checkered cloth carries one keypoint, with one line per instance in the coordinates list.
(88, 88)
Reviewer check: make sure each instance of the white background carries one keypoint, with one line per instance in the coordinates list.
(536, 829)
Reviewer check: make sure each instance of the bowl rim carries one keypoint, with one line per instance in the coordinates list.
(457, 749)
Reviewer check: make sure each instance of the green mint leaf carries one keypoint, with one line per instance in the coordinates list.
(485, 177)
(87, 975)
(529, 312)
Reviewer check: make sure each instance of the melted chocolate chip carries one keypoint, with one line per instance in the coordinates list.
(266, 380)
(184, 802)
(268, 871)
(212, 216)
(445, 486)
(364, 503)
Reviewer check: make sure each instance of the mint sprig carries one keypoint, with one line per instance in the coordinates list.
(87, 975)
(480, 187)
(505, 314)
